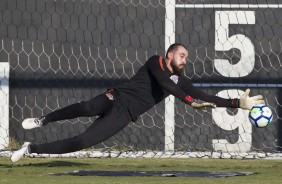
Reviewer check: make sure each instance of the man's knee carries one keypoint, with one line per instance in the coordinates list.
(85, 106)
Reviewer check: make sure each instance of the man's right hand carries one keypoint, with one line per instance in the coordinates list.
(199, 105)
(247, 102)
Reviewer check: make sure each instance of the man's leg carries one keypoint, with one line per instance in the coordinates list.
(103, 128)
(97, 106)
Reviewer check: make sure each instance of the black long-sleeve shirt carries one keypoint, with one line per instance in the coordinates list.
(154, 82)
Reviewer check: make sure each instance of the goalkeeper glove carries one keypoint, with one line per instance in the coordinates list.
(199, 105)
(247, 102)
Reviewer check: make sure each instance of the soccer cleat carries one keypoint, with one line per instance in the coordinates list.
(31, 123)
(19, 154)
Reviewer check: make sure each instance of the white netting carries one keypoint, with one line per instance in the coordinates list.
(56, 53)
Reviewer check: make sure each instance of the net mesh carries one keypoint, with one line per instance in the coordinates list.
(56, 53)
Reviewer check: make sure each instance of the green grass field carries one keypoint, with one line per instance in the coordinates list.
(36, 170)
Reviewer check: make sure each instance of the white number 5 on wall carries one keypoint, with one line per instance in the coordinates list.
(224, 43)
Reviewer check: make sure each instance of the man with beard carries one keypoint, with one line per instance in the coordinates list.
(115, 108)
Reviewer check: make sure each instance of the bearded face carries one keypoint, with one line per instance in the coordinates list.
(177, 59)
(177, 68)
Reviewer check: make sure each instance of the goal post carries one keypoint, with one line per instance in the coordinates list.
(169, 101)
(4, 105)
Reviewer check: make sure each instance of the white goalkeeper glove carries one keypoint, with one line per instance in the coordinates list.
(199, 105)
(247, 102)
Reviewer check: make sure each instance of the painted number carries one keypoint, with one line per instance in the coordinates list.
(224, 43)
(244, 67)
(230, 122)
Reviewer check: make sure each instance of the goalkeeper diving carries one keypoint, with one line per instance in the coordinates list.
(158, 78)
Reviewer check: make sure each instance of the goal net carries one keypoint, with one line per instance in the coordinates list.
(54, 53)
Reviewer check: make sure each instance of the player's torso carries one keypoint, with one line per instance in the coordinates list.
(142, 91)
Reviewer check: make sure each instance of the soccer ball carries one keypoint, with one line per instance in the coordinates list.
(260, 115)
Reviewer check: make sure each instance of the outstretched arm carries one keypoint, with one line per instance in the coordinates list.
(245, 102)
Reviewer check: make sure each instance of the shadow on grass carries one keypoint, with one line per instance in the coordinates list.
(46, 164)
(58, 163)
(6, 165)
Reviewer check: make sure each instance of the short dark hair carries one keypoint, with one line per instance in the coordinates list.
(174, 46)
